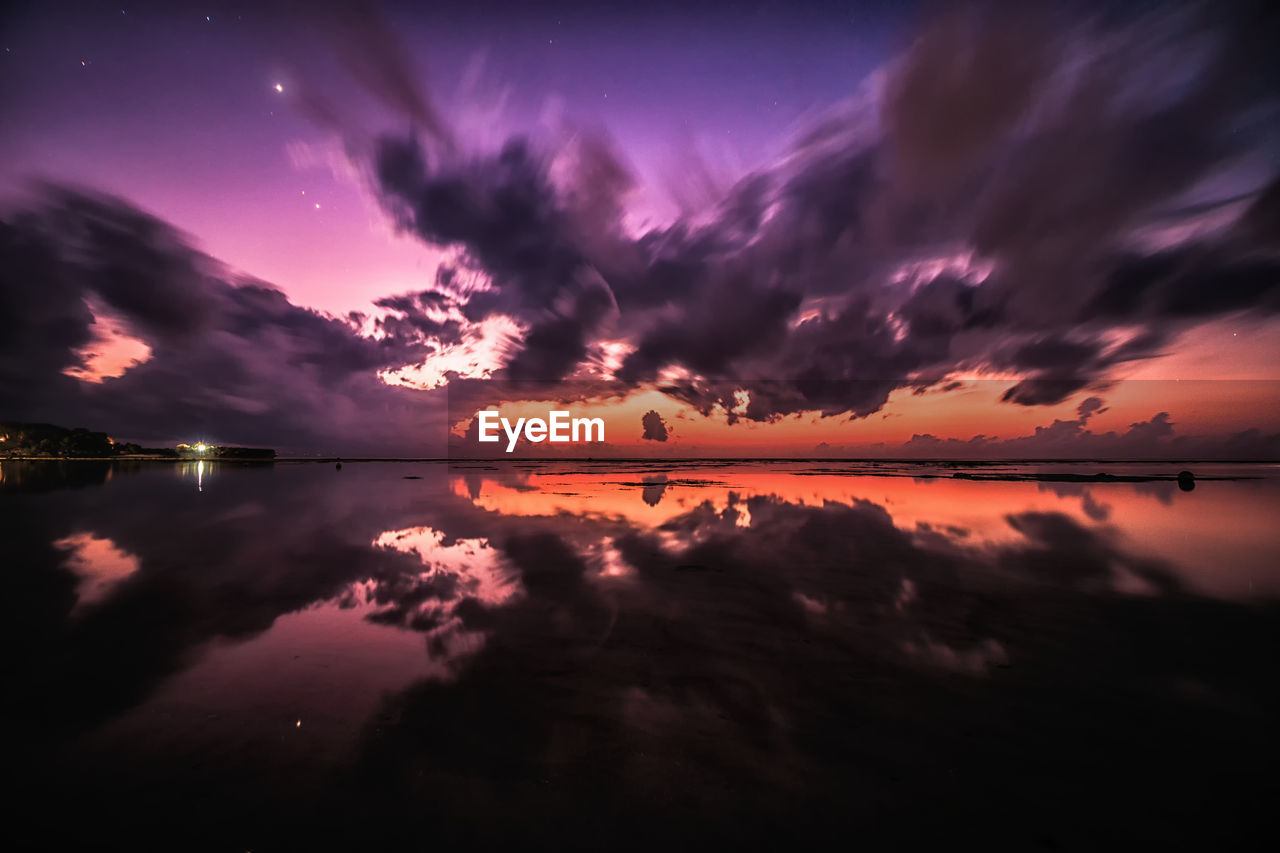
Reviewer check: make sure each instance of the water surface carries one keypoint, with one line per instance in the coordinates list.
(294, 656)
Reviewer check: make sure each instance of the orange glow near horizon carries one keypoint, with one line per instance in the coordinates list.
(1220, 380)
(1224, 533)
(1196, 407)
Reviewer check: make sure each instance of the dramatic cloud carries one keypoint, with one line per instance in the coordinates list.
(981, 209)
(655, 429)
(231, 359)
(1031, 195)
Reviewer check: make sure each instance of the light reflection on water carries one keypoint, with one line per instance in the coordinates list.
(739, 649)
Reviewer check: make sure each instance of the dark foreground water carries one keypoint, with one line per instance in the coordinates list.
(423, 656)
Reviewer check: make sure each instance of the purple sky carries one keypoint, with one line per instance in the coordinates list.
(175, 110)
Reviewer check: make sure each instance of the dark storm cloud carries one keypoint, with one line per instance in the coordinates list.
(1189, 282)
(232, 360)
(1025, 151)
(655, 429)
(1007, 195)
(424, 314)
(507, 214)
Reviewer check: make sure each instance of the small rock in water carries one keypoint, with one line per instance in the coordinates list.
(1186, 481)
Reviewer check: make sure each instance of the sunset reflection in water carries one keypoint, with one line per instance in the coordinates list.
(730, 649)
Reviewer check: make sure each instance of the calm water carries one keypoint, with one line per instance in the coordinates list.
(630, 656)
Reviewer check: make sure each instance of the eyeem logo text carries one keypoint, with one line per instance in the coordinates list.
(558, 427)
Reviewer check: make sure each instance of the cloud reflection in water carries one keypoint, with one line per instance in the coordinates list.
(749, 651)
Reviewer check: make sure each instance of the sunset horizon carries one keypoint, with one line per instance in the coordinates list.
(605, 425)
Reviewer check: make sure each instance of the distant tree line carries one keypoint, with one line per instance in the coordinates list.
(23, 439)
(55, 442)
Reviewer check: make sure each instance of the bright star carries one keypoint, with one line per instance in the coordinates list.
(279, 87)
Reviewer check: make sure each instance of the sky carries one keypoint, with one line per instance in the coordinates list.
(175, 109)
(865, 229)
